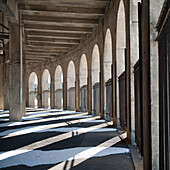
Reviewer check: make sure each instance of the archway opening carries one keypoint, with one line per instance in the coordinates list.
(95, 81)
(46, 81)
(108, 76)
(71, 86)
(59, 88)
(33, 89)
(120, 66)
(83, 73)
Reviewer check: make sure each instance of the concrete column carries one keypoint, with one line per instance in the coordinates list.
(77, 96)
(114, 104)
(134, 57)
(102, 84)
(27, 92)
(52, 91)
(89, 85)
(39, 89)
(146, 86)
(24, 76)
(15, 103)
(150, 63)
(1, 86)
(155, 10)
(6, 80)
(64, 92)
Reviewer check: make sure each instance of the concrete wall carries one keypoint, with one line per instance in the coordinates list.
(96, 99)
(1, 87)
(33, 102)
(58, 99)
(46, 99)
(108, 114)
(71, 99)
(83, 99)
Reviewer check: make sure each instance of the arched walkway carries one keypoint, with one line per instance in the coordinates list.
(83, 73)
(33, 88)
(108, 75)
(95, 81)
(120, 65)
(59, 88)
(46, 80)
(71, 86)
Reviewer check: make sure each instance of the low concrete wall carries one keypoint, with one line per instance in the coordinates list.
(58, 99)
(71, 99)
(96, 99)
(46, 99)
(83, 99)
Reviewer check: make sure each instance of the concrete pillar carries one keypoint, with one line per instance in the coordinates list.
(146, 86)
(52, 91)
(155, 10)
(64, 92)
(134, 57)
(6, 80)
(27, 92)
(77, 96)
(1, 86)
(102, 84)
(24, 76)
(15, 102)
(150, 63)
(114, 106)
(89, 85)
(39, 89)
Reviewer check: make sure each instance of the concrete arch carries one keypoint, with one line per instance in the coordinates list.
(95, 71)
(107, 67)
(120, 65)
(58, 78)
(71, 86)
(46, 80)
(33, 88)
(83, 74)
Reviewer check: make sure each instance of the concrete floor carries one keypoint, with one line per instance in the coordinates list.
(53, 139)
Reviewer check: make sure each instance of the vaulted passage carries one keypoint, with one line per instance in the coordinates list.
(84, 84)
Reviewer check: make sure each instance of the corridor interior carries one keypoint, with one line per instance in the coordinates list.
(85, 84)
(57, 139)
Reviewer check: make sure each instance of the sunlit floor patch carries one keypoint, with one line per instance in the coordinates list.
(38, 157)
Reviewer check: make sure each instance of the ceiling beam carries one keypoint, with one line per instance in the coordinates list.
(56, 34)
(45, 48)
(76, 3)
(34, 59)
(42, 51)
(61, 14)
(64, 24)
(43, 54)
(52, 40)
(51, 44)
(64, 9)
(59, 19)
(40, 57)
(58, 28)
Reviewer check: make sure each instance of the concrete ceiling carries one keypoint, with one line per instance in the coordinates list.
(54, 27)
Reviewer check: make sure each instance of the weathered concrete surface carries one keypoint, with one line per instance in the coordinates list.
(71, 98)
(83, 99)
(1, 87)
(59, 98)
(14, 74)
